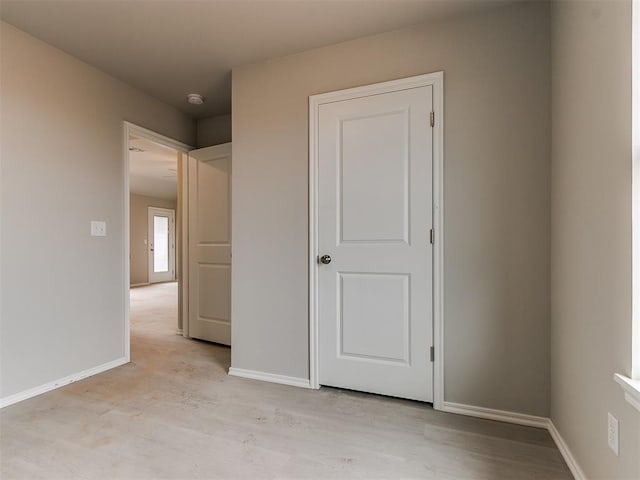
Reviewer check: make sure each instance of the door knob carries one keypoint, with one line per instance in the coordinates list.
(325, 259)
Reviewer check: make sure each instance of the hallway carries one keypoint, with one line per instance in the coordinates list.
(174, 413)
(154, 310)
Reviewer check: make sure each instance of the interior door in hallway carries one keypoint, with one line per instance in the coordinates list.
(209, 210)
(375, 318)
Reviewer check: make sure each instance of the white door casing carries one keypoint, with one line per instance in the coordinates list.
(210, 244)
(161, 248)
(372, 208)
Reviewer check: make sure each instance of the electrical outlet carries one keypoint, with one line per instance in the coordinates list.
(98, 229)
(612, 433)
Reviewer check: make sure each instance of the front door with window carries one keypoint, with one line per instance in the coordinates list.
(161, 244)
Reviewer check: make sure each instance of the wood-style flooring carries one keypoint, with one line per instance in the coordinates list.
(173, 413)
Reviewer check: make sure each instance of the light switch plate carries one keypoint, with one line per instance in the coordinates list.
(98, 228)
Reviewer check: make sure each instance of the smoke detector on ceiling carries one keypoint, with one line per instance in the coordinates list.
(195, 99)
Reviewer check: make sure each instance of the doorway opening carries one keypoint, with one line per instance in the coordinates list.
(155, 169)
(177, 240)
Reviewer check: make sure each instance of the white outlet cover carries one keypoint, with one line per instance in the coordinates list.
(613, 433)
(98, 228)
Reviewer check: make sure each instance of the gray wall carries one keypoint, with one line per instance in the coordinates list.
(139, 231)
(62, 304)
(591, 233)
(497, 183)
(213, 130)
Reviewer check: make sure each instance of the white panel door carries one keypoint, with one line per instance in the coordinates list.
(161, 244)
(210, 244)
(374, 219)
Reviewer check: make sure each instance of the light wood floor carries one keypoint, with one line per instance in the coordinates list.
(174, 413)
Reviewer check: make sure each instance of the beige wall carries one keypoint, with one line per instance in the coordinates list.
(497, 147)
(213, 130)
(139, 231)
(62, 302)
(591, 233)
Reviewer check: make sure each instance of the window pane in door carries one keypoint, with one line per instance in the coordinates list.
(160, 244)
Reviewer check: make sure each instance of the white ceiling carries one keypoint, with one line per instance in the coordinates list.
(152, 172)
(171, 48)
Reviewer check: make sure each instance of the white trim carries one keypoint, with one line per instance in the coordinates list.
(437, 81)
(631, 389)
(132, 129)
(632, 400)
(635, 190)
(61, 382)
(183, 234)
(126, 348)
(438, 242)
(569, 459)
(139, 131)
(270, 377)
(520, 419)
(144, 284)
(213, 152)
(498, 415)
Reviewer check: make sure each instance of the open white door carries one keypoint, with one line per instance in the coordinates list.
(375, 266)
(161, 244)
(210, 244)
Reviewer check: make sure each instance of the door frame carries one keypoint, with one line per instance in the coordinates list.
(436, 80)
(171, 213)
(133, 129)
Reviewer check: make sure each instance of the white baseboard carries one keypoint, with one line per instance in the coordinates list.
(499, 415)
(520, 419)
(134, 285)
(270, 377)
(449, 407)
(577, 472)
(32, 392)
